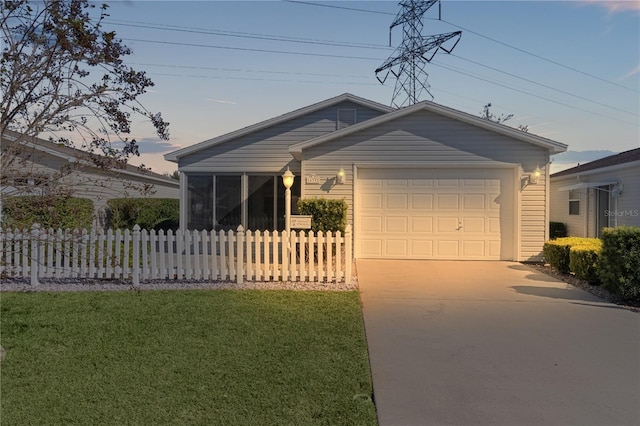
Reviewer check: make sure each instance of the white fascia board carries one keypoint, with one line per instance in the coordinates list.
(176, 155)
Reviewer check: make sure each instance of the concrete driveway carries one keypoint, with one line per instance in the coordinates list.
(495, 343)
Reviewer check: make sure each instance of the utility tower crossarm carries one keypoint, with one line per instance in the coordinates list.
(430, 43)
(418, 9)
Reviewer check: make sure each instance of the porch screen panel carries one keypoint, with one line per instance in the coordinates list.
(228, 202)
(261, 203)
(200, 202)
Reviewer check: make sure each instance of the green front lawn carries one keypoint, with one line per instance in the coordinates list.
(185, 357)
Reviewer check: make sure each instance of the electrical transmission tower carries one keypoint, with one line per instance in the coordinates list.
(408, 62)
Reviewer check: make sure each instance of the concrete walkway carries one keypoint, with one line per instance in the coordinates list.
(495, 343)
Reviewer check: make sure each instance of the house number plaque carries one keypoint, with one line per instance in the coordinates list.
(301, 221)
(312, 179)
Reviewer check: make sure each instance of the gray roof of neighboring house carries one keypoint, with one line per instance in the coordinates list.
(612, 160)
(73, 154)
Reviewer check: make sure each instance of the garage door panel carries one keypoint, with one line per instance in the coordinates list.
(447, 201)
(474, 225)
(447, 224)
(396, 224)
(371, 224)
(448, 183)
(447, 248)
(422, 201)
(435, 213)
(396, 248)
(421, 224)
(372, 201)
(397, 201)
(473, 201)
(422, 248)
(473, 248)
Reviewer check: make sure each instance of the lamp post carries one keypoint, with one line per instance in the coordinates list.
(287, 180)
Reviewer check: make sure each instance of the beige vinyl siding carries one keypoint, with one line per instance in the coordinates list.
(267, 150)
(425, 137)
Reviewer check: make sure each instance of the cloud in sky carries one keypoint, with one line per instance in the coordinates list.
(614, 6)
(633, 72)
(220, 101)
(153, 145)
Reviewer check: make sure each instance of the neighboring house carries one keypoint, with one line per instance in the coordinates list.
(601, 193)
(42, 165)
(421, 182)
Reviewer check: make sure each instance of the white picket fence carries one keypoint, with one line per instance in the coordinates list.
(141, 255)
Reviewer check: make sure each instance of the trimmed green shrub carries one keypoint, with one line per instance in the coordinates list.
(619, 267)
(583, 260)
(556, 252)
(557, 230)
(149, 213)
(326, 215)
(47, 210)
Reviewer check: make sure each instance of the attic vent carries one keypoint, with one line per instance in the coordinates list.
(346, 117)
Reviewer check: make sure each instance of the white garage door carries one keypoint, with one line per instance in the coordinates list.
(435, 214)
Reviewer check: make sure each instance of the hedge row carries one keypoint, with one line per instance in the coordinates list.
(149, 213)
(613, 260)
(49, 211)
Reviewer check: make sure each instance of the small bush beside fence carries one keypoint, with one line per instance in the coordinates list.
(192, 255)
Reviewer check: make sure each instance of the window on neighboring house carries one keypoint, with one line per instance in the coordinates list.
(346, 117)
(574, 202)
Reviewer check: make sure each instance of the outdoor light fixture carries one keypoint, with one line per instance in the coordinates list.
(340, 176)
(534, 178)
(287, 180)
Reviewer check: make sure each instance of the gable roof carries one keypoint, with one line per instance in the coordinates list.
(612, 160)
(73, 155)
(553, 146)
(175, 155)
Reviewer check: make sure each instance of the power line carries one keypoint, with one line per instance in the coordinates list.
(545, 86)
(238, 34)
(530, 94)
(247, 49)
(551, 61)
(338, 7)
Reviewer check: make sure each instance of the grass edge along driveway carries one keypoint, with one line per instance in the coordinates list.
(185, 357)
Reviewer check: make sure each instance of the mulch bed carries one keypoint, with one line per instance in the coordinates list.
(596, 290)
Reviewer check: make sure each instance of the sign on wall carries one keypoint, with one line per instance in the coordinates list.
(301, 221)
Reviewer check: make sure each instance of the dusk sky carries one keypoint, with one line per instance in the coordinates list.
(569, 70)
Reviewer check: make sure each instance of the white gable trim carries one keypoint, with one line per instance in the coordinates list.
(176, 155)
(553, 146)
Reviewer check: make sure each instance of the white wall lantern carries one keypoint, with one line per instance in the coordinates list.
(534, 177)
(340, 176)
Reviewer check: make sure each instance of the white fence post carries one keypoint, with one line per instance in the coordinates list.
(347, 258)
(35, 250)
(135, 272)
(240, 255)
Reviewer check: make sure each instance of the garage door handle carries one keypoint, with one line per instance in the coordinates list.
(459, 226)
